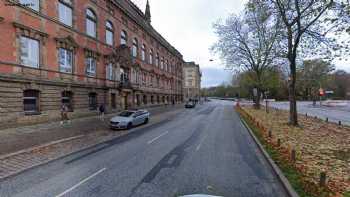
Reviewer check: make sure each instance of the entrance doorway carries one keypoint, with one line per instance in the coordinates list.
(113, 102)
(125, 101)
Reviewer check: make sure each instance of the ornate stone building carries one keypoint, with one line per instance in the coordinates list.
(191, 81)
(82, 53)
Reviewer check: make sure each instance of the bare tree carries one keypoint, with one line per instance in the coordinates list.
(247, 42)
(306, 28)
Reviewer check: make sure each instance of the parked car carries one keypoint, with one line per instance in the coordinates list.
(129, 118)
(190, 104)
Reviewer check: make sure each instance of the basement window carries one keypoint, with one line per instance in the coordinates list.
(31, 102)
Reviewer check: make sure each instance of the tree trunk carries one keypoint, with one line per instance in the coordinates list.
(293, 114)
(257, 99)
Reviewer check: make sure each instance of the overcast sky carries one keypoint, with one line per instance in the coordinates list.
(187, 25)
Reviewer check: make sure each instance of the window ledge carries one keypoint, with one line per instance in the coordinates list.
(32, 113)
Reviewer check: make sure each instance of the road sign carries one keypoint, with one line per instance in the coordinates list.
(321, 91)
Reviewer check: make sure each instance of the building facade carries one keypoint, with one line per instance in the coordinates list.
(82, 53)
(191, 81)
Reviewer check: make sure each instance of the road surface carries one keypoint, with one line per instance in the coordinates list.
(202, 150)
(334, 114)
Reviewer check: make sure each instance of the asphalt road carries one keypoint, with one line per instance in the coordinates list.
(202, 150)
(334, 114)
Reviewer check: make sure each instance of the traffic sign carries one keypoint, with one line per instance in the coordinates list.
(321, 91)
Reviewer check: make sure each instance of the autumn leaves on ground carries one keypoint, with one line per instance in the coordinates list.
(319, 146)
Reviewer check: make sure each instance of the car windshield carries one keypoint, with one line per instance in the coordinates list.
(126, 113)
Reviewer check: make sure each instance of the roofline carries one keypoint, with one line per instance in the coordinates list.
(145, 25)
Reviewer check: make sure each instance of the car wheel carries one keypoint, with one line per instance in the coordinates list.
(146, 121)
(129, 125)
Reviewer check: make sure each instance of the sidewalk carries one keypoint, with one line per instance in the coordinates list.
(36, 145)
(15, 139)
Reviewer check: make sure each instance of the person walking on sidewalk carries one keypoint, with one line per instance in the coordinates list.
(64, 114)
(102, 112)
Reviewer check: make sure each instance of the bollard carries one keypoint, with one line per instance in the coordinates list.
(270, 133)
(278, 142)
(339, 123)
(293, 155)
(323, 178)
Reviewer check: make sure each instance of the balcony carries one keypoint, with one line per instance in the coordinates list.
(126, 85)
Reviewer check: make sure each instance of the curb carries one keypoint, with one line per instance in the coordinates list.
(290, 190)
(147, 126)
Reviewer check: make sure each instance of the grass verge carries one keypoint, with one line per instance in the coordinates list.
(294, 177)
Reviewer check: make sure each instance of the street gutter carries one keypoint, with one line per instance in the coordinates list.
(287, 186)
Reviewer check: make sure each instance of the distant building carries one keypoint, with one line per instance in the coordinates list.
(191, 81)
(82, 54)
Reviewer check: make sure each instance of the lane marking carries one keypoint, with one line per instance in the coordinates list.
(81, 182)
(156, 138)
(200, 143)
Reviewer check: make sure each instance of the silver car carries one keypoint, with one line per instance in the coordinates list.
(128, 119)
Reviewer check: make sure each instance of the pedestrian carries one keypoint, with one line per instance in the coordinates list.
(64, 114)
(102, 112)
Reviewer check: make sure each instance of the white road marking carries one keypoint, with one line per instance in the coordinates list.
(81, 182)
(156, 138)
(200, 143)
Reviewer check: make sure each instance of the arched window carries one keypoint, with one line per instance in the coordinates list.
(65, 12)
(91, 23)
(109, 33)
(31, 101)
(135, 47)
(157, 59)
(150, 60)
(123, 37)
(143, 52)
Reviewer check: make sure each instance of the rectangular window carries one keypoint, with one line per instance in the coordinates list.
(109, 72)
(31, 101)
(91, 28)
(109, 38)
(33, 4)
(29, 52)
(143, 55)
(90, 66)
(65, 14)
(65, 60)
(150, 58)
(123, 76)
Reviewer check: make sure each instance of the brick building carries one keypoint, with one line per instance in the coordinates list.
(82, 53)
(192, 77)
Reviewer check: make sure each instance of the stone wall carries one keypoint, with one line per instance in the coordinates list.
(50, 101)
